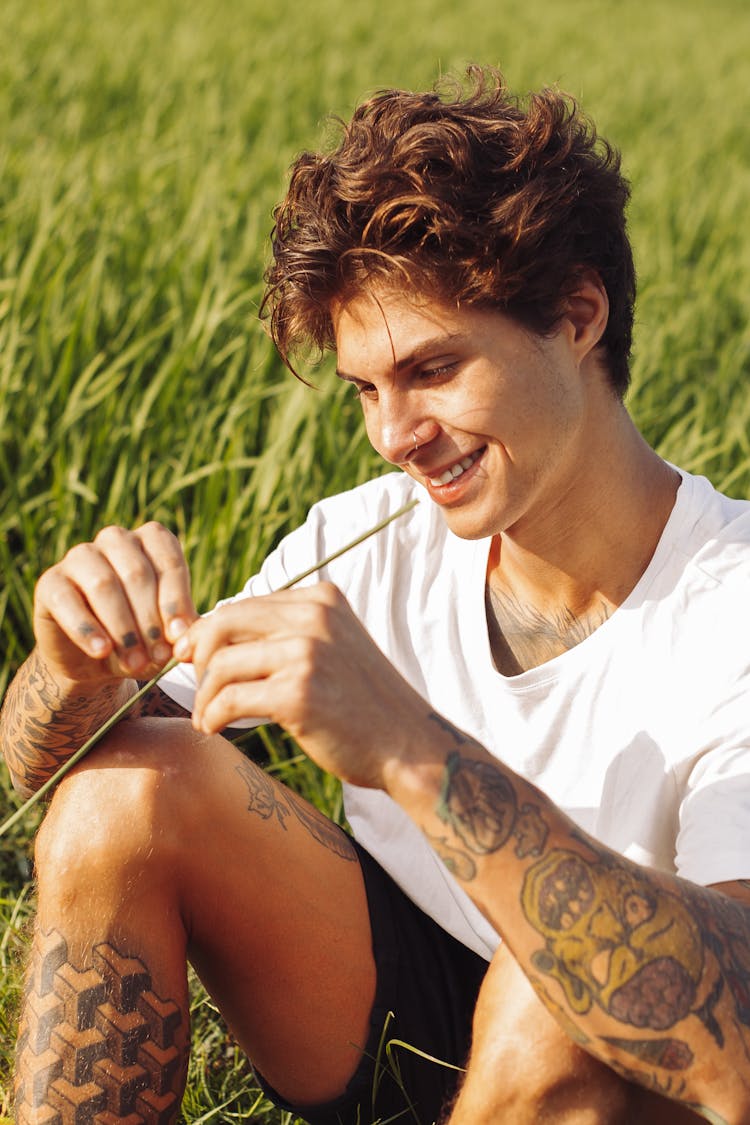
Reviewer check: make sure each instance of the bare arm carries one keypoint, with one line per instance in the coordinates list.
(44, 721)
(648, 971)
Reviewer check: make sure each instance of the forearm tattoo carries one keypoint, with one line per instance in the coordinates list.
(479, 804)
(268, 800)
(96, 1044)
(612, 935)
(40, 729)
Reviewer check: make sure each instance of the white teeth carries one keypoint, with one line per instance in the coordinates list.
(455, 470)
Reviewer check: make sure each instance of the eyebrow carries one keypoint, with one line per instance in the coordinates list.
(428, 347)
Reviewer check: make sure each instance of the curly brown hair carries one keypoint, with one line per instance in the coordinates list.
(465, 194)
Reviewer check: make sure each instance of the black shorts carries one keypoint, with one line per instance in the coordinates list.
(427, 985)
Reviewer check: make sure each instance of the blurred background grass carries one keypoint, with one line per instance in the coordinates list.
(143, 145)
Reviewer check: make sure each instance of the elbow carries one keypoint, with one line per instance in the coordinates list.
(20, 785)
(19, 782)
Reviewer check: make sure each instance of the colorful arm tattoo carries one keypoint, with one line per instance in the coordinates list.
(652, 954)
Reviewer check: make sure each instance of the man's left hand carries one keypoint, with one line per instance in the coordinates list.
(301, 658)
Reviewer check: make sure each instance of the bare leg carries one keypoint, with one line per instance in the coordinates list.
(165, 845)
(524, 1070)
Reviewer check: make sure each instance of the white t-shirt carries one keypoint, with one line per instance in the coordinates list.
(641, 733)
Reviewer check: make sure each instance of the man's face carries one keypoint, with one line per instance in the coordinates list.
(498, 412)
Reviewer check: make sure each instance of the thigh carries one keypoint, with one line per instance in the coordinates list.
(278, 925)
(420, 1024)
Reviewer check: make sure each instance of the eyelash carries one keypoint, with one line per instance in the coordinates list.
(426, 373)
(435, 372)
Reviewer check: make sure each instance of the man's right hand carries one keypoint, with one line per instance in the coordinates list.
(113, 608)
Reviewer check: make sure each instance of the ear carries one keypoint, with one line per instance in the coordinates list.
(586, 313)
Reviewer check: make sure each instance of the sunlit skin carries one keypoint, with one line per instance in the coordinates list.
(550, 442)
(468, 382)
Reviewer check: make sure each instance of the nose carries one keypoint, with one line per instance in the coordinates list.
(398, 433)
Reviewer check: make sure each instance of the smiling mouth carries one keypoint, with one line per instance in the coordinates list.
(457, 470)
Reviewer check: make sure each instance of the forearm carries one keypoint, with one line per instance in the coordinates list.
(648, 971)
(44, 720)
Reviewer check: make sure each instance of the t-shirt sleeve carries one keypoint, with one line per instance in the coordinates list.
(713, 843)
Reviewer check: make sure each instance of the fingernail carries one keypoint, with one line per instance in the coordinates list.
(98, 646)
(161, 653)
(176, 627)
(134, 660)
(181, 648)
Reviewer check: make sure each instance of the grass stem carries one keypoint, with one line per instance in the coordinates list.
(146, 688)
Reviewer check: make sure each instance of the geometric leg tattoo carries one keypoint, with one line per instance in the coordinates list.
(95, 1047)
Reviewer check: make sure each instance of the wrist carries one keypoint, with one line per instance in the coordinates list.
(415, 775)
(57, 690)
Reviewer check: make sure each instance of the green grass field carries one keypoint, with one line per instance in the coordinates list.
(142, 147)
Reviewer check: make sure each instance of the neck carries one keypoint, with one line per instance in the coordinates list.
(598, 534)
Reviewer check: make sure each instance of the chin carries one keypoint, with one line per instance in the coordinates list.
(466, 526)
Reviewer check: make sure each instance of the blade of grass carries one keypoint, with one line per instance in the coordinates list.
(121, 711)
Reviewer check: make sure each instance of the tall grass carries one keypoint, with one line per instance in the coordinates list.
(142, 147)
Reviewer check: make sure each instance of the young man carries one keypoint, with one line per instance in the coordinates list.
(534, 687)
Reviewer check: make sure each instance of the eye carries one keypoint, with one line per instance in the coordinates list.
(364, 390)
(437, 370)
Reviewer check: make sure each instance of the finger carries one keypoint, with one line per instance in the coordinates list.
(143, 644)
(96, 581)
(248, 662)
(240, 684)
(308, 612)
(235, 702)
(58, 600)
(174, 599)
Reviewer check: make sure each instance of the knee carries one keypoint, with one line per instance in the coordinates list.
(120, 808)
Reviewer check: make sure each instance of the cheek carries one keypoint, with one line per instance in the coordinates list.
(373, 430)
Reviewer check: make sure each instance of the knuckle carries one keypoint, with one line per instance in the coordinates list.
(51, 589)
(320, 616)
(232, 695)
(102, 585)
(214, 671)
(172, 565)
(315, 616)
(328, 594)
(161, 540)
(207, 630)
(306, 658)
(46, 582)
(228, 701)
(112, 534)
(136, 574)
(153, 527)
(80, 553)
